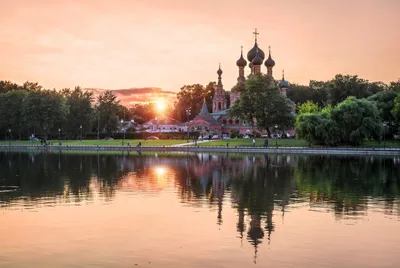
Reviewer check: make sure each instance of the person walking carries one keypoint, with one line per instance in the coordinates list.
(266, 143)
(254, 143)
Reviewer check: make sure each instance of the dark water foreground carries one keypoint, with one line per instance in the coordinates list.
(198, 210)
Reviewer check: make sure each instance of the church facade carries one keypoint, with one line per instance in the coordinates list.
(218, 121)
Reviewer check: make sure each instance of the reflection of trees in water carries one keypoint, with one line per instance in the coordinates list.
(347, 184)
(34, 176)
(255, 184)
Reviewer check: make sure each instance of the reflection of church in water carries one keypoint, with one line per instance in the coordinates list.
(219, 121)
(256, 185)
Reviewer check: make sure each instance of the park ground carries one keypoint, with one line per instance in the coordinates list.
(231, 142)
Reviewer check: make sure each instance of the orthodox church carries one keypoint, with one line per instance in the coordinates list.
(218, 120)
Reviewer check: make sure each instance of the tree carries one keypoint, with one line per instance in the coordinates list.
(396, 112)
(343, 86)
(395, 86)
(261, 105)
(385, 101)
(192, 97)
(11, 111)
(81, 112)
(357, 119)
(6, 86)
(107, 107)
(308, 107)
(306, 127)
(44, 110)
(142, 113)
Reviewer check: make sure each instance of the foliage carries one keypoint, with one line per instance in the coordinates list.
(350, 122)
(107, 108)
(44, 111)
(142, 113)
(234, 134)
(192, 97)
(357, 119)
(308, 107)
(343, 86)
(396, 112)
(306, 127)
(81, 112)
(11, 111)
(262, 105)
(385, 102)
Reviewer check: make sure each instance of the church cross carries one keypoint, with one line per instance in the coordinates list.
(255, 34)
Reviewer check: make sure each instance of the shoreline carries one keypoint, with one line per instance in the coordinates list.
(209, 149)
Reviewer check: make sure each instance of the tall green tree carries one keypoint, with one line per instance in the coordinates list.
(6, 86)
(11, 116)
(385, 102)
(44, 111)
(107, 108)
(343, 86)
(192, 97)
(357, 120)
(81, 111)
(262, 105)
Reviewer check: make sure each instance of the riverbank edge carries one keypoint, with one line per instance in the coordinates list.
(210, 149)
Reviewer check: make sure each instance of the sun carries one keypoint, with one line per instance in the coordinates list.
(160, 104)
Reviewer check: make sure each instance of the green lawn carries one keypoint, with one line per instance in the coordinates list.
(291, 143)
(231, 142)
(101, 142)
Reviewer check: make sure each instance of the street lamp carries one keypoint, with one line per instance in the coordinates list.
(188, 114)
(384, 134)
(59, 136)
(81, 131)
(9, 137)
(276, 136)
(122, 128)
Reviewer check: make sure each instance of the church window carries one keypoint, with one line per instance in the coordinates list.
(219, 106)
(237, 121)
(230, 121)
(224, 121)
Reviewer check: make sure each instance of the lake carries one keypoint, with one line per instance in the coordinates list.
(198, 210)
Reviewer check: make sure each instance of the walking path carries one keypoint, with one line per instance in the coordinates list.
(191, 143)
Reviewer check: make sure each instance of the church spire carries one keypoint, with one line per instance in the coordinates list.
(219, 100)
(204, 108)
(219, 84)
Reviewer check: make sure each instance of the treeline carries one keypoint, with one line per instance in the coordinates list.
(29, 109)
(346, 110)
(325, 113)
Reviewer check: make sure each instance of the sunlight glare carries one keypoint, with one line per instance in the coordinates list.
(160, 105)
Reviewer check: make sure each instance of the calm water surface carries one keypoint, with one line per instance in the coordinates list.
(198, 210)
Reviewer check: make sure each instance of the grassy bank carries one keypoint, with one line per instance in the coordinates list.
(231, 142)
(101, 142)
(293, 143)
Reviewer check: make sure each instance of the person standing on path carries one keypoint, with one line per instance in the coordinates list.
(254, 143)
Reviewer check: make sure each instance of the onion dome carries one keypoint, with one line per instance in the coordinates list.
(241, 62)
(257, 59)
(252, 53)
(283, 83)
(219, 72)
(269, 62)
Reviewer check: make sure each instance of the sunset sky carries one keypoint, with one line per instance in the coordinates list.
(117, 44)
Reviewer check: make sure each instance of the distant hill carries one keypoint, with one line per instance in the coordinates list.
(133, 96)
